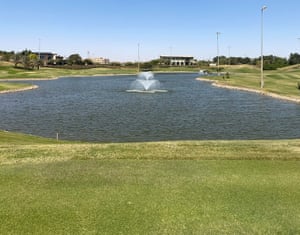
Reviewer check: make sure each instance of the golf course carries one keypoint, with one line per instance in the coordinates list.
(50, 186)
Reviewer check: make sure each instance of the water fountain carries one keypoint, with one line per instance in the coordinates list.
(145, 83)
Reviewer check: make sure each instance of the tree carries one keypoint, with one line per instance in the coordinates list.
(33, 61)
(146, 66)
(88, 62)
(154, 62)
(7, 56)
(274, 62)
(74, 59)
(294, 59)
(27, 59)
(129, 64)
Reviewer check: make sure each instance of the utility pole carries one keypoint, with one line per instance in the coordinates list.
(138, 70)
(218, 59)
(229, 55)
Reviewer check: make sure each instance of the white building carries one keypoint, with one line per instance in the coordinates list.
(99, 60)
(177, 60)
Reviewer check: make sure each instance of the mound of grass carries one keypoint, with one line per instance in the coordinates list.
(283, 81)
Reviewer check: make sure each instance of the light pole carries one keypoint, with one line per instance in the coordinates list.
(39, 54)
(229, 47)
(39, 48)
(262, 46)
(218, 59)
(138, 57)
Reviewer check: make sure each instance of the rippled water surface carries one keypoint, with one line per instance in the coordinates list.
(100, 109)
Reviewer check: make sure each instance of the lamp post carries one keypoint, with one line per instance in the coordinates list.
(262, 46)
(138, 57)
(218, 59)
(39, 49)
(229, 47)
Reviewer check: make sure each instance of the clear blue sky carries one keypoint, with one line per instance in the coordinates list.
(114, 28)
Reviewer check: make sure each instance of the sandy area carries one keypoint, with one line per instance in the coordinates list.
(26, 79)
(21, 89)
(216, 84)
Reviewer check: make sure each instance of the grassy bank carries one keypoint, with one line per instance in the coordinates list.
(6, 86)
(281, 82)
(190, 187)
(8, 71)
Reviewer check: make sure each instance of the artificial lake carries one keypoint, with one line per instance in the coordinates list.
(99, 109)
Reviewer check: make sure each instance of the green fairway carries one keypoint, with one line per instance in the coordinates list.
(189, 187)
(8, 71)
(281, 82)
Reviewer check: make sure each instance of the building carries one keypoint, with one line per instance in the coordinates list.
(177, 60)
(99, 60)
(46, 57)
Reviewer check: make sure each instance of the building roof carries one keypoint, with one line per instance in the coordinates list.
(177, 56)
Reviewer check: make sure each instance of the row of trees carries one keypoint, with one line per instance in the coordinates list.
(31, 60)
(74, 59)
(270, 61)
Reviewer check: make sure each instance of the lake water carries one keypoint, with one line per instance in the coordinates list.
(99, 109)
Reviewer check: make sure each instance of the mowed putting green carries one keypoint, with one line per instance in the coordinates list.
(189, 187)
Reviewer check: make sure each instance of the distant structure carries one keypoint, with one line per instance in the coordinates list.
(177, 60)
(46, 57)
(100, 60)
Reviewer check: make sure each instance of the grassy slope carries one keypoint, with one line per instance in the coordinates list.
(191, 187)
(283, 81)
(7, 71)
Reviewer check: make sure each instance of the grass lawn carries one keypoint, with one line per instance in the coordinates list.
(7, 72)
(188, 187)
(282, 81)
(5, 86)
